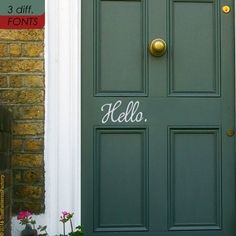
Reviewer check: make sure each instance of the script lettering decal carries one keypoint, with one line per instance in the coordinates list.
(130, 114)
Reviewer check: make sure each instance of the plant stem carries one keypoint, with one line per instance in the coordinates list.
(64, 230)
(71, 226)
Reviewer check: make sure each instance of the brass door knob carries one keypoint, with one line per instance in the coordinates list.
(157, 47)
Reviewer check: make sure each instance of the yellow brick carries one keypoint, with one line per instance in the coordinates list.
(33, 50)
(30, 81)
(27, 160)
(15, 81)
(31, 112)
(34, 145)
(22, 35)
(3, 50)
(15, 50)
(28, 192)
(21, 66)
(27, 112)
(17, 145)
(34, 81)
(3, 82)
(28, 129)
(13, 96)
(32, 176)
(8, 96)
(31, 96)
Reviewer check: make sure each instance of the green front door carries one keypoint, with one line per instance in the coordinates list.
(157, 132)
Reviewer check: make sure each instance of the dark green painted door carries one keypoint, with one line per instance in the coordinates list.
(156, 158)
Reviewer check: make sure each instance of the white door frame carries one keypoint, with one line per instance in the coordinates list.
(63, 105)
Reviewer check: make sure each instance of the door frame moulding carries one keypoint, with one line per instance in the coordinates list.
(63, 105)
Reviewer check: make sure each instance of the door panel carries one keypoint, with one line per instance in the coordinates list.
(194, 39)
(116, 189)
(195, 177)
(156, 159)
(117, 48)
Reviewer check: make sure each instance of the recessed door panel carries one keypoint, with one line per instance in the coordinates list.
(121, 59)
(120, 188)
(195, 178)
(194, 40)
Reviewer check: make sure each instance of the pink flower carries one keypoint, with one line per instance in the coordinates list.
(66, 216)
(23, 214)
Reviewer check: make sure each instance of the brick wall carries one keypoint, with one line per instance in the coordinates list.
(22, 91)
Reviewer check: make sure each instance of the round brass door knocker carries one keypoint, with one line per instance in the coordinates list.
(157, 47)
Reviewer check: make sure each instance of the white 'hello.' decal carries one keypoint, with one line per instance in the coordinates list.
(130, 114)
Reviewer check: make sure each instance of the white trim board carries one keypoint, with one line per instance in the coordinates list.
(62, 108)
(62, 150)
